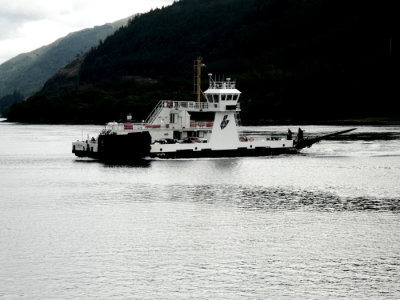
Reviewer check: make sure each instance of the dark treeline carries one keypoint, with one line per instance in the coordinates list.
(9, 100)
(293, 60)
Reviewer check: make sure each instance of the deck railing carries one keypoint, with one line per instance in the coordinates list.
(184, 104)
(189, 105)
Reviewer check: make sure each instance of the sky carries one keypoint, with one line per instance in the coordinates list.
(26, 25)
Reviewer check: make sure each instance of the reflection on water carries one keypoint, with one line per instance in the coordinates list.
(321, 224)
(142, 163)
(277, 199)
(250, 198)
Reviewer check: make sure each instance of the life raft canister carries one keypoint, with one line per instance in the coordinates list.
(128, 126)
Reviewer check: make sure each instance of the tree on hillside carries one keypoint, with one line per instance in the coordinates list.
(7, 101)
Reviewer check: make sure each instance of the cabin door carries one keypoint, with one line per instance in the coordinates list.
(177, 135)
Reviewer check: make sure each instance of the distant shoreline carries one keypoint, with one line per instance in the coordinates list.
(371, 121)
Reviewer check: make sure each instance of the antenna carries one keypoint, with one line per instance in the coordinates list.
(210, 79)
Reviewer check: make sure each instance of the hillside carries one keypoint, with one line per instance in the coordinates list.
(27, 72)
(293, 60)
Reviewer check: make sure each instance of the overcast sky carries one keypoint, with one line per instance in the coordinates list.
(26, 25)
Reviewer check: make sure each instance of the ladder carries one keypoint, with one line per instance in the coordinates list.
(237, 119)
(154, 114)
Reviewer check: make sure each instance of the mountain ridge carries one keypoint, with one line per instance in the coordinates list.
(296, 60)
(27, 72)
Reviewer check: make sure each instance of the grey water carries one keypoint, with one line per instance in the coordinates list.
(321, 224)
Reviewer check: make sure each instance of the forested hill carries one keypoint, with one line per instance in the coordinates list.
(27, 72)
(298, 60)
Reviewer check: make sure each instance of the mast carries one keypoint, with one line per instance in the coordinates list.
(197, 78)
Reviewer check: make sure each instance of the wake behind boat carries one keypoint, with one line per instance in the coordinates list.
(170, 132)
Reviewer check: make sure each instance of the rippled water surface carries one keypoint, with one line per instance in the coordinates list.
(322, 224)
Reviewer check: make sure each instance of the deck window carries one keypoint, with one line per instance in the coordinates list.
(172, 119)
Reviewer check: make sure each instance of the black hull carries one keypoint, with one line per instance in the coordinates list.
(129, 147)
(191, 154)
(241, 152)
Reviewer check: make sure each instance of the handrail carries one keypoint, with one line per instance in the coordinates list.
(185, 104)
(175, 105)
(172, 104)
(226, 85)
(154, 113)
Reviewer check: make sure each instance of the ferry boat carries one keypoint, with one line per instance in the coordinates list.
(170, 132)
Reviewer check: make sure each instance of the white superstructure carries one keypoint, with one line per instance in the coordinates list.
(173, 131)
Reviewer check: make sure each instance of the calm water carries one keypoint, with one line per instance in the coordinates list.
(323, 224)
